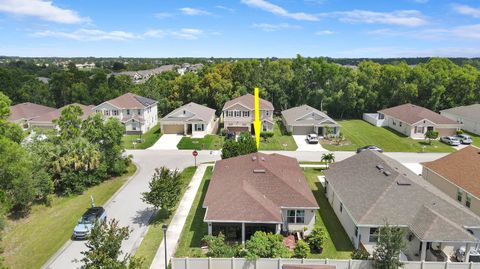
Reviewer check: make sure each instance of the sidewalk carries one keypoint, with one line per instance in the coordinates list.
(176, 225)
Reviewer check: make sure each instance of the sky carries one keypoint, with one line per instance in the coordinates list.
(240, 28)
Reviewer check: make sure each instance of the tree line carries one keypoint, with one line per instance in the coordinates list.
(341, 91)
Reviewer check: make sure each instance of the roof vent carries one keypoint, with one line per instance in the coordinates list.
(379, 167)
(263, 158)
(387, 173)
(254, 157)
(259, 171)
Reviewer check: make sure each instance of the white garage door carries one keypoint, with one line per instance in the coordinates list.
(302, 130)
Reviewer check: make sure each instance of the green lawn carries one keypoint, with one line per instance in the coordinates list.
(337, 245)
(359, 133)
(31, 241)
(149, 138)
(209, 142)
(154, 236)
(195, 228)
(279, 141)
(475, 138)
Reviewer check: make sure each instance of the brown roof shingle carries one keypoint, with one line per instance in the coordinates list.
(27, 111)
(254, 188)
(248, 101)
(461, 168)
(55, 114)
(412, 114)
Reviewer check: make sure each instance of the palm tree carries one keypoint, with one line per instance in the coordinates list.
(328, 158)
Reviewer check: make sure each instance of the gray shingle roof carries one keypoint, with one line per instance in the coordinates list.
(197, 112)
(303, 115)
(402, 198)
(470, 112)
(248, 101)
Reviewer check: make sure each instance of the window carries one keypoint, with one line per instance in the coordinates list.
(296, 216)
(246, 113)
(468, 200)
(199, 127)
(419, 129)
(373, 235)
(229, 113)
(106, 112)
(139, 111)
(341, 207)
(267, 113)
(115, 112)
(238, 113)
(459, 195)
(400, 123)
(381, 116)
(128, 111)
(394, 123)
(356, 231)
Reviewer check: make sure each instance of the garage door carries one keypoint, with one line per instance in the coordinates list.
(173, 129)
(302, 130)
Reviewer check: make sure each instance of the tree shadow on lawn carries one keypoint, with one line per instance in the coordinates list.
(198, 227)
(337, 233)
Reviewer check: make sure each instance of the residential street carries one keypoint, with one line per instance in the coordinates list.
(127, 207)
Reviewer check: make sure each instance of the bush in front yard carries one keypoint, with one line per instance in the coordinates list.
(316, 239)
(266, 135)
(302, 250)
(459, 132)
(360, 254)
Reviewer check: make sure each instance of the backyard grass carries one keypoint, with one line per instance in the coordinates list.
(153, 238)
(359, 133)
(209, 142)
(279, 141)
(29, 242)
(337, 244)
(148, 139)
(195, 228)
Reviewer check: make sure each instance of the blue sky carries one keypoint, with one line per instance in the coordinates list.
(240, 28)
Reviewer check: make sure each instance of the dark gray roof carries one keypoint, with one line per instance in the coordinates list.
(190, 112)
(306, 115)
(145, 101)
(469, 112)
(402, 198)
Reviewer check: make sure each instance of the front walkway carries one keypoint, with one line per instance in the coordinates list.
(302, 144)
(176, 225)
(167, 141)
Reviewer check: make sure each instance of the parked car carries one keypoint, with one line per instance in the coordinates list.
(450, 140)
(464, 139)
(94, 215)
(312, 139)
(369, 147)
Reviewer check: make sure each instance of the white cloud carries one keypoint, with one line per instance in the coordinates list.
(163, 15)
(267, 27)
(398, 17)
(467, 31)
(193, 11)
(88, 35)
(463, 32)
(156, 33)
(231, 10)
(467, 10)
(280, 11)
(325, 32)
(42, 9)
(187, 33)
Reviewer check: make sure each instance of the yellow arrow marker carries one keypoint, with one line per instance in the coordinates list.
(257, 124)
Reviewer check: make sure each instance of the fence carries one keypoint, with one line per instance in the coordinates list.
(373, 119)
(240, 263)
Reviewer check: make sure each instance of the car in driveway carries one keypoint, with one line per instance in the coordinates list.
(93, 216)
(464, 139)
(369, 147)
(450, 140)
(312, 139)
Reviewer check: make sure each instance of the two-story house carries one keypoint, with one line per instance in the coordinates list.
(137, 113)
(238, 114)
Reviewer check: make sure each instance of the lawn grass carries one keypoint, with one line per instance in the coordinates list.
(360, 133)
(209, 142)
(29, 242)
(337, 244)
(149, 138)
(279, 139)
(475, 138)
(195, 228)
(153, 238)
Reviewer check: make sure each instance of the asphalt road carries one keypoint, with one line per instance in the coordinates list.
(127, 207)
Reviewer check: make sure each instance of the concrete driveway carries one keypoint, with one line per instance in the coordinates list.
(126, 205)
(302, 144)
(167, 142)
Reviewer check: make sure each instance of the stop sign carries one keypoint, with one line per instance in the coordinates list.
(194, 153)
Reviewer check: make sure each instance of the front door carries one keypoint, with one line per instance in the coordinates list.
(320, 131)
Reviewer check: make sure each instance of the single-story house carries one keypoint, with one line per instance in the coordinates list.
(457, 175)
(47, 120)
(190, 119)
(238, 114)
(304, 119)
(24, 112)
(468, 116)
(369, 189)
(413, 121)
(258, 192)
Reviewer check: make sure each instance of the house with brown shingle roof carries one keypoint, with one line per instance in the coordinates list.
(457, 175)
(369, 189)
(24, 112)
(253, 192)
(238, 114)
(137, 113)
(47, 120)
(413, 121)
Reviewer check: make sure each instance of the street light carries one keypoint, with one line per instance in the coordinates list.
(164, 228)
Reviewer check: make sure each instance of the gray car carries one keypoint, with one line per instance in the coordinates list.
(450, 140)
(94, 215)
(464, 139)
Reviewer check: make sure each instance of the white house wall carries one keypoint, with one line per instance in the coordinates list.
(469, 125)
(309, 221)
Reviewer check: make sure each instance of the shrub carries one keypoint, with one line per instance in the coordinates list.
(266, 135)
(217, 248)
(302, 250)
(459, 132)
(316, 239)
(360, 254)
(430, 134)
(266, 245)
